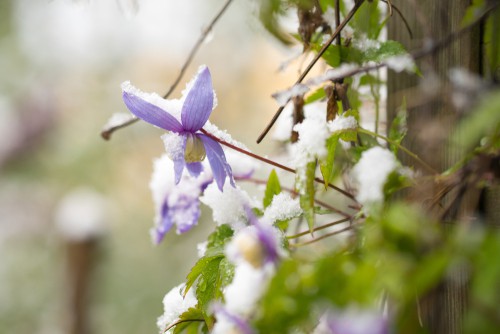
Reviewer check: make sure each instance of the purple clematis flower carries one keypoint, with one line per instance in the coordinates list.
(353, 320)
(190, 146)
(258, 244)
(175, 205)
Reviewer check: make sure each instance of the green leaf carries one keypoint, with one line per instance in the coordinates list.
(269, 13)
(190, 322)
(316, 95)
(327, 166)
(399, 128)
(336, 55)
(472, 12)
(273, 187)
(367, 19)
(368, 80)
(307, 192)
(213, 276)
(217, 239)
(484, 122)
(386, 50)
(212, 272)
(350, 134)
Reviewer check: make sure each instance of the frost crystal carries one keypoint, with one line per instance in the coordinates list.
(282, 207)
(174, 305)
(342, 123)
(371, 173)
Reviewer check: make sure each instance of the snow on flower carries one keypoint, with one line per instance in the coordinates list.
(246, 289)
(228, 207)
(352, 321)
(177, 205)
(258, 244)
(195, 107)
(371, 173)
(228, 322)
(242, 165)
(254, 250)
(174, 304)
(282, 207)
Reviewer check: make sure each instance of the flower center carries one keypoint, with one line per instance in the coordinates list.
(195, 150)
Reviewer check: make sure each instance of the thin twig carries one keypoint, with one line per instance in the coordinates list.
(106, 133)
(416, 54)
(274, 163)
(313, 62)
(295, 193)
(401, 147)
(345, 229)
(337, 20)
(319, 228)
(391, 7)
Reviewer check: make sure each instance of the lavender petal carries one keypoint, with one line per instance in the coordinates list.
(179, 164)
(165, 224)
(150, 113)
(199, 102)
(194, 168)
(186, 212)
(217, 160)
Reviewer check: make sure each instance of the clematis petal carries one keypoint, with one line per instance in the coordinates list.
(194, 168)
(165, 223)
(175, 145)
(135, 102)
(179, 164)
(217, 160)
(199, 102)
(186, 212)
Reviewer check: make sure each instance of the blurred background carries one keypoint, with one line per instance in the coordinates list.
(75, 210)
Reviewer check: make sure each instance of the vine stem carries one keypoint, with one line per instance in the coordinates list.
(319, 228)
(407, 151)
(337, 31)
(292, 191)
(107, 132)
(274, 163)
(345, 229)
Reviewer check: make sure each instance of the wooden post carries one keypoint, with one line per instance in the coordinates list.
(431, 117)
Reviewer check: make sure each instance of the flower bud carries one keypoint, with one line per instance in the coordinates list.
(195, 150)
